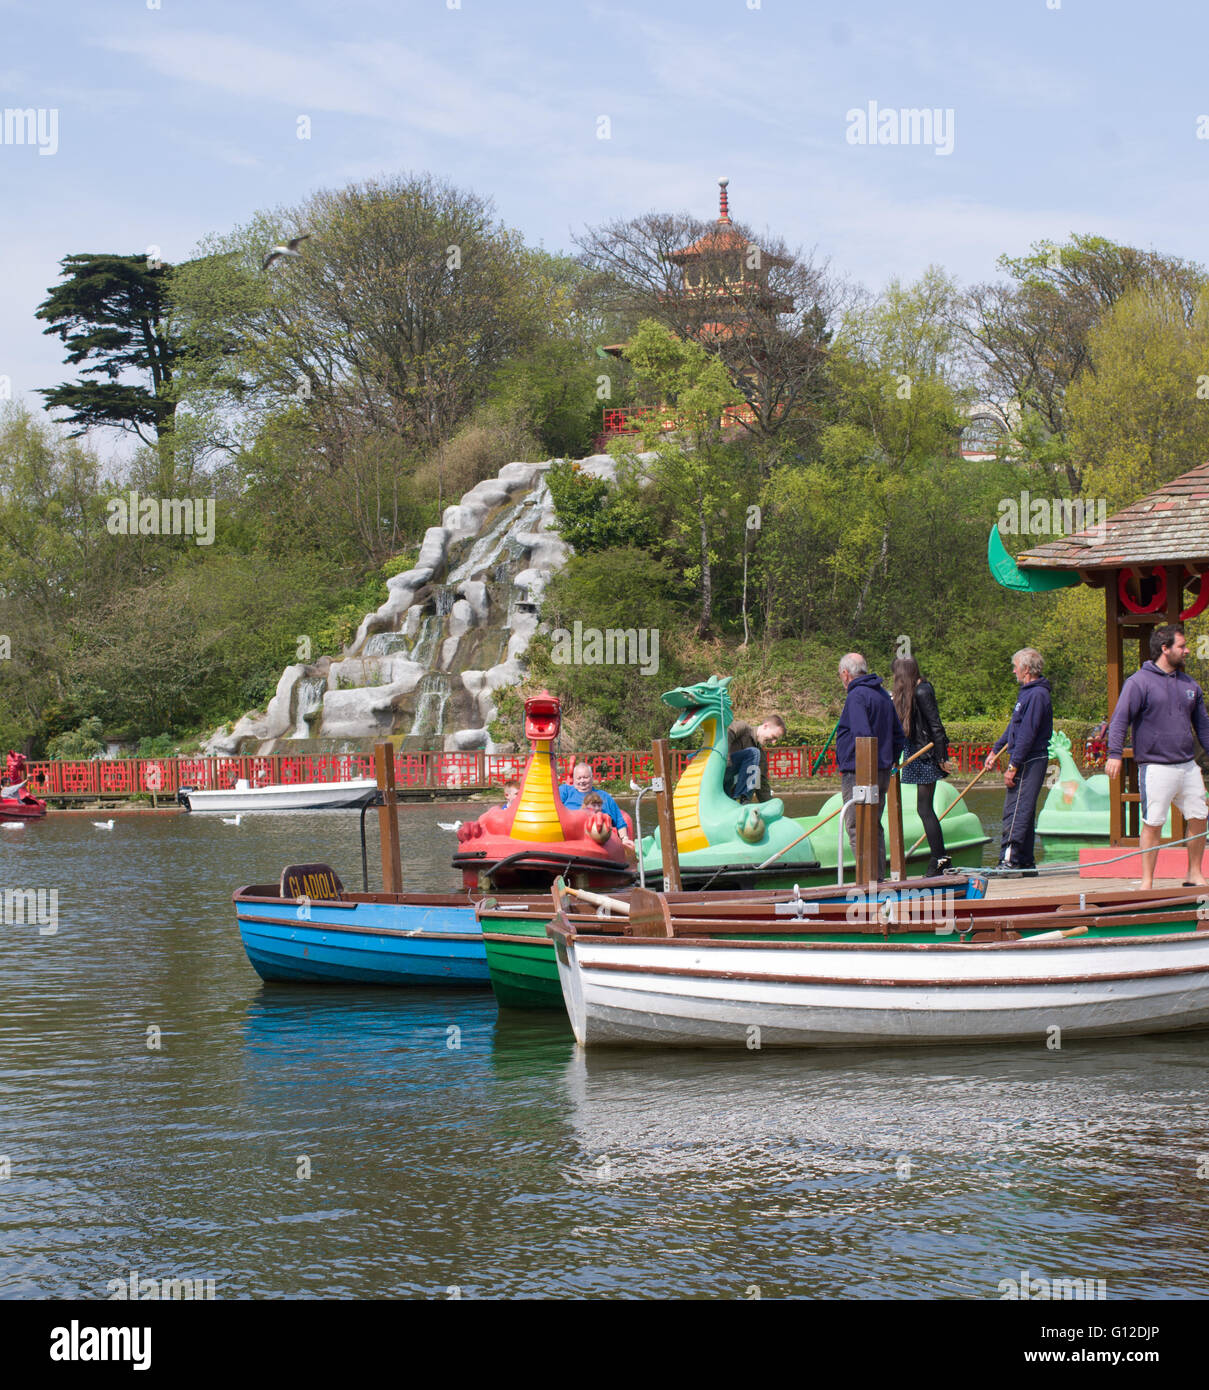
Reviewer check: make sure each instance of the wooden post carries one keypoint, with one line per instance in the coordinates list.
(667, 818)
(388, 818)
(1112, 625)
(867, 812)
(894, 830)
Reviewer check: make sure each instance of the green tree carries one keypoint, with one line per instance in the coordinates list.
(1142, 417)
(609, 705)
(111, 312)
(701, 478)
(1030, 336)
(594, 514)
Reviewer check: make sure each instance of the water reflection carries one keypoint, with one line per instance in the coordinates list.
(290, 1141)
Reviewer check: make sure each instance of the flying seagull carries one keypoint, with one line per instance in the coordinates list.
(289, 249)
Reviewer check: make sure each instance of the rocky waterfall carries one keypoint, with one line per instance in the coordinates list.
(423, 668)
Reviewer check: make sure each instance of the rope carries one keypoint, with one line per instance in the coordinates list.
(1066, 866)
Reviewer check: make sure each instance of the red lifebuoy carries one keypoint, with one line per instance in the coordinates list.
(1202, 598)
(1159, 601)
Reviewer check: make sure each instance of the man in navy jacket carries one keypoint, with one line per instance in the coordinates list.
(1027, 739)
(1167, 711)
(868, 713)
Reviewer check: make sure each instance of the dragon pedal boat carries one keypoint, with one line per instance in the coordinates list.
(526, 845)
(725, 844)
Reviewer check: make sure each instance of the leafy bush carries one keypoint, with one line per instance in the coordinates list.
(81, 742)
(594, 515)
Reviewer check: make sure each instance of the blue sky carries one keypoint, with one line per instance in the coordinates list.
(182, 120)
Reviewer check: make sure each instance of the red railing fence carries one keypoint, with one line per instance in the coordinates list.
(117, 777)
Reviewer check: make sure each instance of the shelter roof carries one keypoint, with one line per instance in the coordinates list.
(1166, 527)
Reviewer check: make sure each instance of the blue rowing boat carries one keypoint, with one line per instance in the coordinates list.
(309, 929)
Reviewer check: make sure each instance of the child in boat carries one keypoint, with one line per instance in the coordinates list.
(747, 758)
(574, 794)
(512, 789)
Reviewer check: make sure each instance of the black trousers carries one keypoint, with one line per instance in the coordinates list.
(1020, 815)
(847, 783)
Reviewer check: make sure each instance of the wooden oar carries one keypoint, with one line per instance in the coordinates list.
(953, 803)
(600, 900)
(772, 858)
(1056, 935)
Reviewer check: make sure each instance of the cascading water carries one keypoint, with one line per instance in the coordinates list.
(421, 651)
(432, 697)
(452, 631)
(309, 702)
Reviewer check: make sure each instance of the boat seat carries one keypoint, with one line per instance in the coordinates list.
(319, 882)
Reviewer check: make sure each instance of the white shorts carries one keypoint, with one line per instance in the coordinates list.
(1164, 785)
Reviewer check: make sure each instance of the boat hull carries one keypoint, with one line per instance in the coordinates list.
(302, 796)
(520, 953)
(414, 942)
(14, 808)
(772, 994)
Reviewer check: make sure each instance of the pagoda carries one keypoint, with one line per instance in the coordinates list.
(726, 302)
(725, 279)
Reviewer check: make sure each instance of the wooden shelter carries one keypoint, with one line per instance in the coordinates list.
(1144, 557)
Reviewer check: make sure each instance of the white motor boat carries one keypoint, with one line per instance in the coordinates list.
(296, 796)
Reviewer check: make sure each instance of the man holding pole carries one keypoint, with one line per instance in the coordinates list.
(1167, 711)
(1027, 739)
(868, 713)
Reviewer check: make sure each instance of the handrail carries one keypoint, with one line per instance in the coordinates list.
(119, 777)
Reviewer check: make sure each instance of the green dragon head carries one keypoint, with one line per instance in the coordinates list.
(1059, 742)
(705, 700)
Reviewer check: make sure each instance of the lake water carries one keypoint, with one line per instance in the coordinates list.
(296, 1141)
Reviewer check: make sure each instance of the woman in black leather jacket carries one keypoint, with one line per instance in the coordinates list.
(915, 701)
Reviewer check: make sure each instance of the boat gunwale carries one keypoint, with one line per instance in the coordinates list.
(1025, 904)
(859, 982)
(417, 934)
(560, 933)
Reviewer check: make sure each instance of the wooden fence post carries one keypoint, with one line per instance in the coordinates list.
(667, 818)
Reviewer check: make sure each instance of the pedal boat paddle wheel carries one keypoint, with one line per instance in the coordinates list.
(530, 843)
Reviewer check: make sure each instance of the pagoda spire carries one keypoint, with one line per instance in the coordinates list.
(723, 209)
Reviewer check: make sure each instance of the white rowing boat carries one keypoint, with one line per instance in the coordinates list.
(299, 796)
(662, 990)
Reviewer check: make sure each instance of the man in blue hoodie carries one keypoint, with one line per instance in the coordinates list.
(1027, 739)
(868, 713)
(1167, 710)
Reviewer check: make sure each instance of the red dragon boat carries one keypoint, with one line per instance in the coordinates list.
(528, 844)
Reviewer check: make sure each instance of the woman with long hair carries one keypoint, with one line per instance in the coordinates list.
(915, 701)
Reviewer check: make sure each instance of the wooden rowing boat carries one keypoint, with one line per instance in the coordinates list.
(1017, 977)
(524, 972)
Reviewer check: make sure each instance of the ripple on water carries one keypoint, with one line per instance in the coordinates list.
(301, 1142)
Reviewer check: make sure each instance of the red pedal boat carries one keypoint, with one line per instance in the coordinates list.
(528, 844)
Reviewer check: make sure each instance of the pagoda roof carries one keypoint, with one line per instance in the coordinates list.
(1169, 526)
